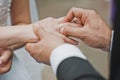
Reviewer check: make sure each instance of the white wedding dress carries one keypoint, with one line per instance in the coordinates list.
(18, 71)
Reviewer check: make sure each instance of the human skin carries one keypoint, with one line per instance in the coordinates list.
(93, 31)
(24, 33)
(11, 35)
(48, 33)
(5, 60)
(41, 50)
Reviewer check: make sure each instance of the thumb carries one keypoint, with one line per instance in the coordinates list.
(30, 47)
(6, 55)
(33, 47)
(74, 12)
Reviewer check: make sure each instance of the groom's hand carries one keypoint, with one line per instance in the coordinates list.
(94, 31)
(41, 50)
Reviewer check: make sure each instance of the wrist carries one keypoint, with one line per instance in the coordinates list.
(108, 40)
(27, 35)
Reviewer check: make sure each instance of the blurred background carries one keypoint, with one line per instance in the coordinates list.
(41, 9)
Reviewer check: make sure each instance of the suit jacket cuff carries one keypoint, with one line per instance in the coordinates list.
(63, 52)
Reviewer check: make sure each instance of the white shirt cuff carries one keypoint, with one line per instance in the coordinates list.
(111, 41)
(63, 52)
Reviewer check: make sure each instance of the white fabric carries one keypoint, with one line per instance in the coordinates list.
(33, 68)
(63, 52)
(111, 41)
(17, 72)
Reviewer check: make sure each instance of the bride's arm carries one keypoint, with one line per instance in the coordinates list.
(13, 35)
(16, 34)
(20, 14)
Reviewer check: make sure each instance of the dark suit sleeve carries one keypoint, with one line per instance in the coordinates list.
(75, 68)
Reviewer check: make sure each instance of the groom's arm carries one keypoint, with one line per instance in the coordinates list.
(69, 63)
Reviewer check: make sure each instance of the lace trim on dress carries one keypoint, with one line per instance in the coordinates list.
(4, 11)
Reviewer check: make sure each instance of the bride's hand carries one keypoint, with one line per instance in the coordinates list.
(53, 25)
(5, 60)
